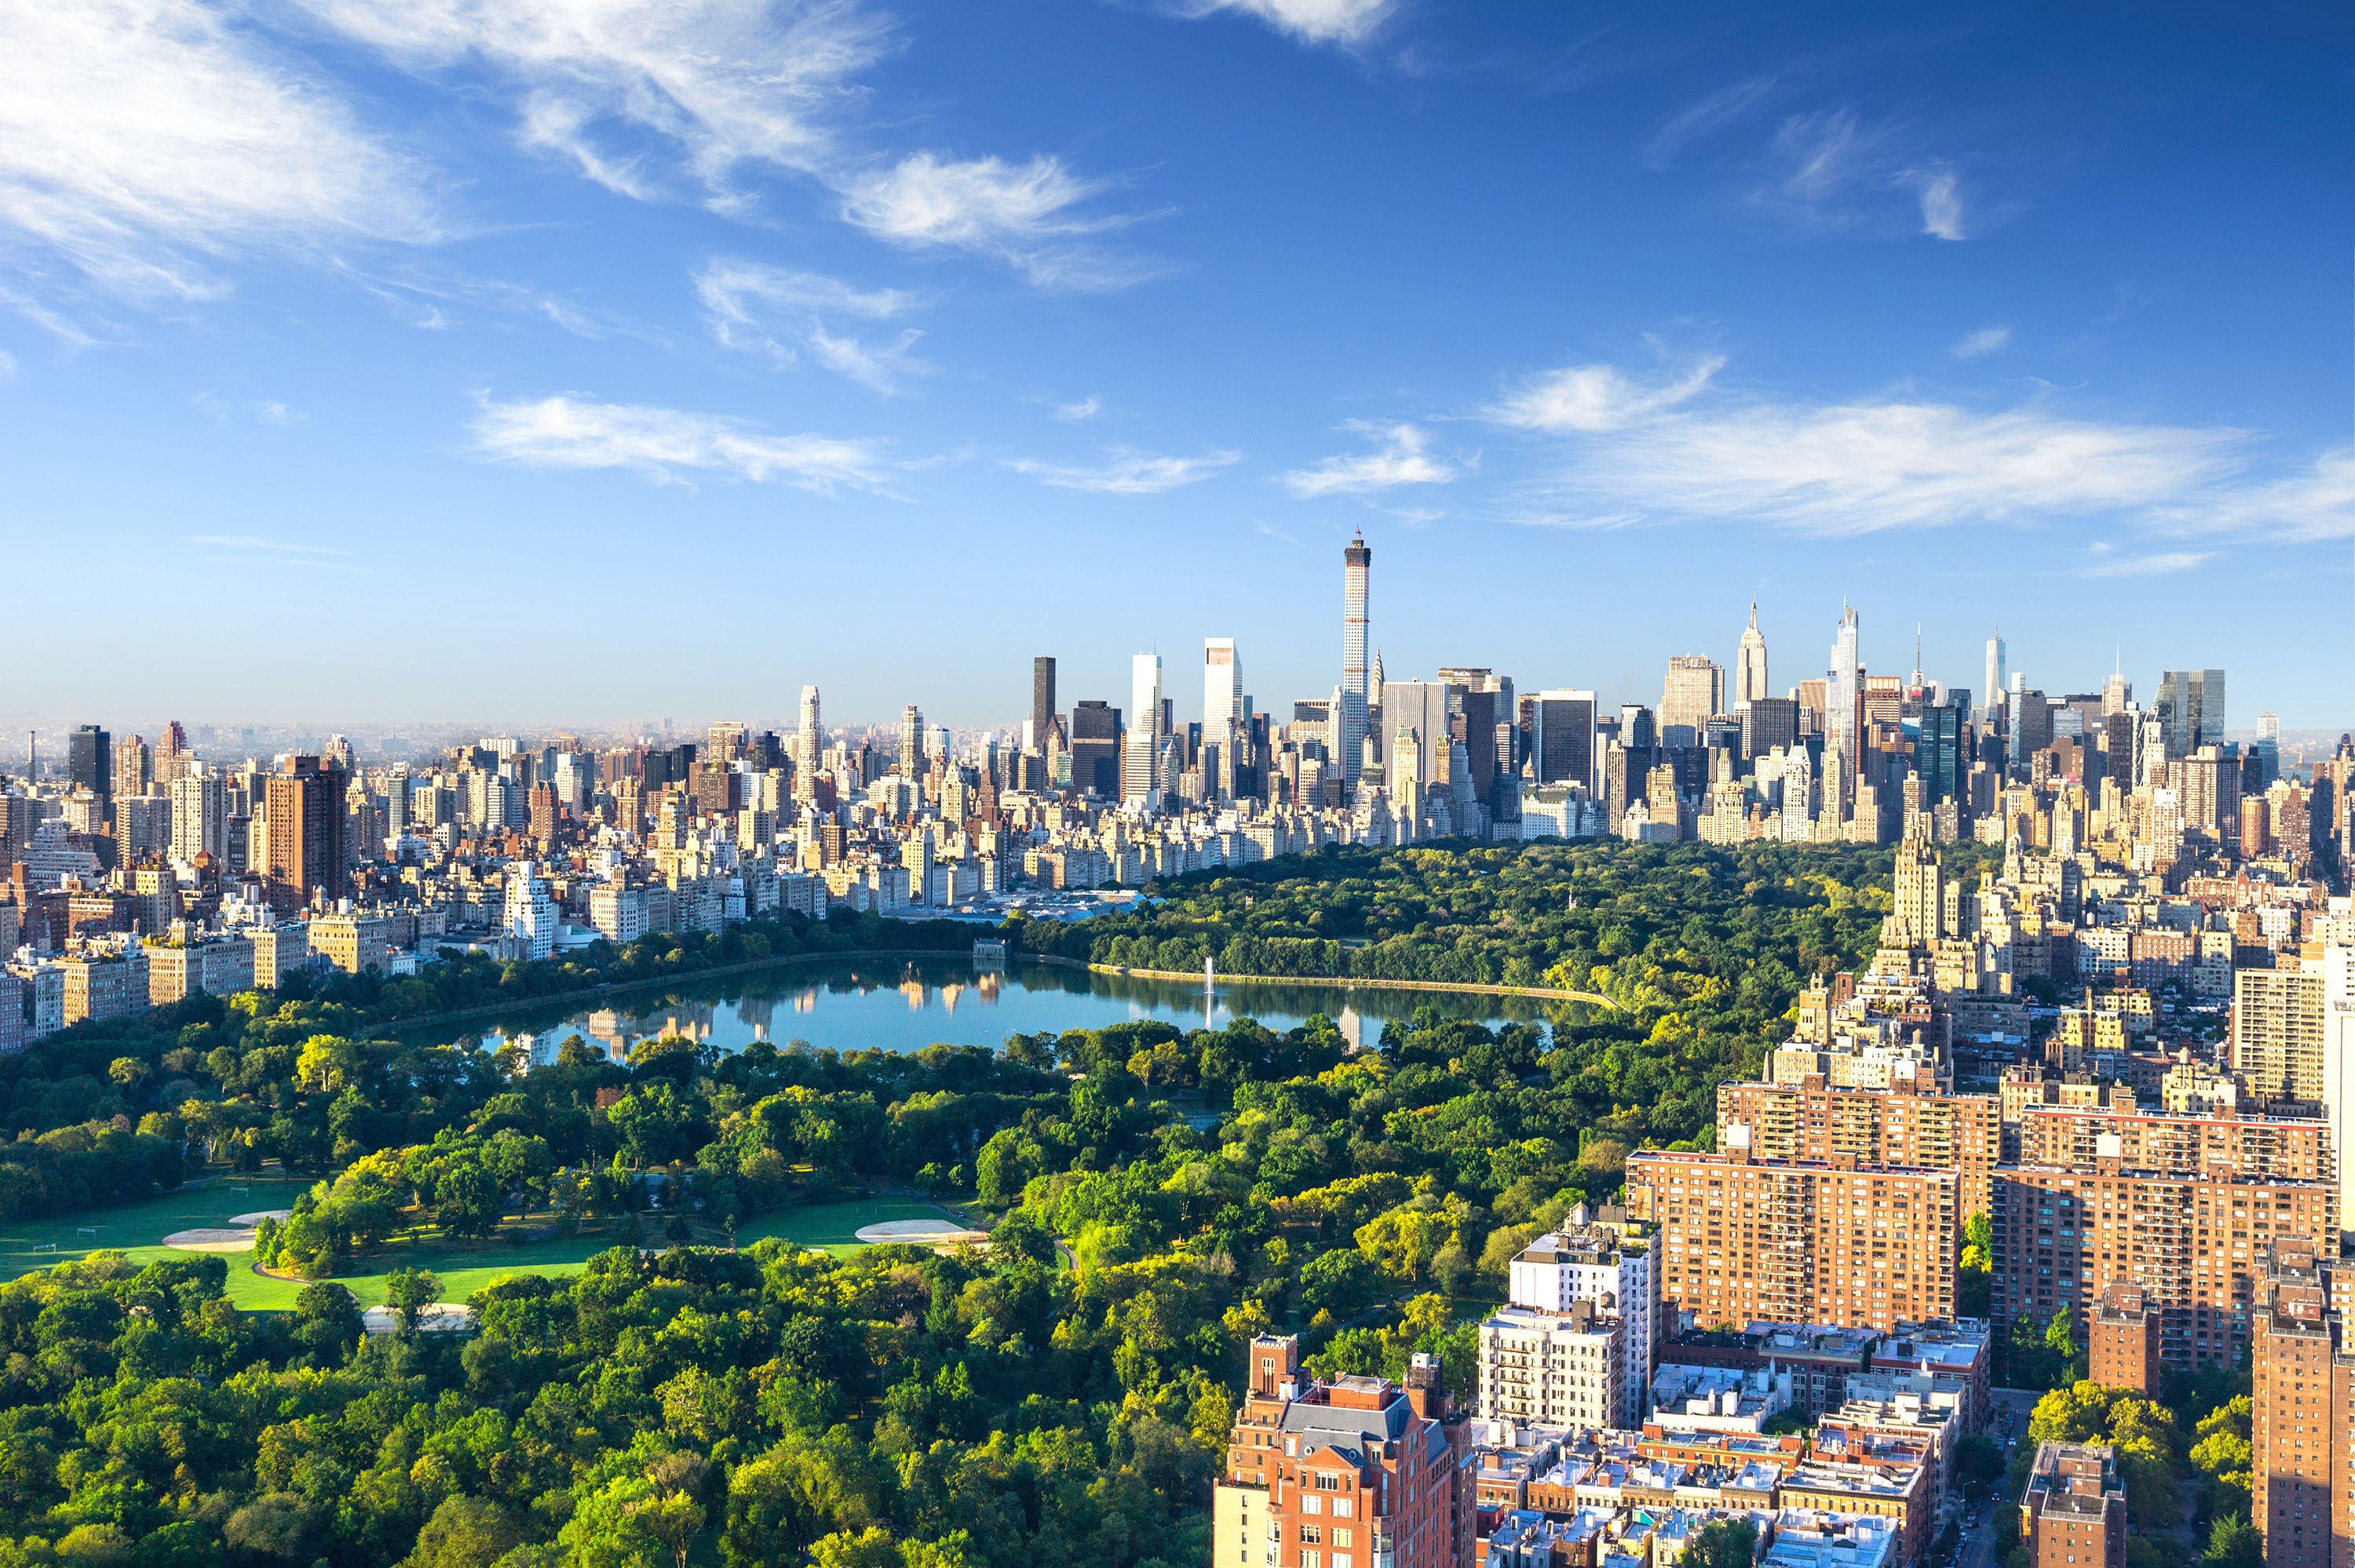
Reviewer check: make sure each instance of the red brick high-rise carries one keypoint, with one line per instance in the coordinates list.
(303, 827)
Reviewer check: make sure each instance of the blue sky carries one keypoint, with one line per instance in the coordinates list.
(577, 361)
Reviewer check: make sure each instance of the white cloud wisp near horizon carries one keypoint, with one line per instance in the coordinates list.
(1129, 471)
(1633, 454)
(664, 444)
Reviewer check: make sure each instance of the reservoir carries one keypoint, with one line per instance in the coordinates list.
(898, 1005)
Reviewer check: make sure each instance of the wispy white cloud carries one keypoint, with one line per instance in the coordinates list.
(1942, 203)
(1402, 456)
(1858, 468)
(1598, 398)
(1128, 471)
(1871, 464)
(7, 365)
(1310, 21)
(279, 414)
(2110, 564)
(720, 83)
(1980, 344)
(2316, 501)
(1087, 407)
(571, 431)
(145, 142)
(257, 541)
(1835, 167)
(784, 314)
(1028, 215)
(252, 550)
(1704, 118)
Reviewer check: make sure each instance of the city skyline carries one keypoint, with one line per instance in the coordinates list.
(460, 324)
(1362, 639)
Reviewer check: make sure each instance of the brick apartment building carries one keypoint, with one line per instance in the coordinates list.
(2302, 1419)
(1742, 1240)
(1812, 1120)
(2073, 1514)
(2064, 1235)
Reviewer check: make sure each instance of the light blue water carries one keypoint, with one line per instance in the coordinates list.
(897, 1005)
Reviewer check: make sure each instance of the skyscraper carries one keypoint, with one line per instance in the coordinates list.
(2192, 707)
(1136, 781)
(1096, 748)
(1042, 697)
(1995, 671)
(1749, 665)
(911, 741)
(2268, 747)
(1940, 754)
(89, 760)
(1357, 576)
(1222, 709)
(303, 813)
(1561, 737)
(1843, 694)
(810, 744)
(199, 817)
(1693, 694)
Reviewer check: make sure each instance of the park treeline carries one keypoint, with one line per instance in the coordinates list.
(1626, 921)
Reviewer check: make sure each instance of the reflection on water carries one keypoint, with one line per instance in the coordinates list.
(852, 1004)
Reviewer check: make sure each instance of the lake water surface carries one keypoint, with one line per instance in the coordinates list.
(903, 1005)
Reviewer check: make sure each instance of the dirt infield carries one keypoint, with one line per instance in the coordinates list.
(209, 1239)
(922, 1233)
(259, 1215)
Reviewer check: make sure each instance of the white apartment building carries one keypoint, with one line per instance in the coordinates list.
(530, 913)
(1587, 1262)
(1554, 1368)
(618, 913)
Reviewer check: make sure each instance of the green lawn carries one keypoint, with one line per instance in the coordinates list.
(834, 1228)
(138, 1229)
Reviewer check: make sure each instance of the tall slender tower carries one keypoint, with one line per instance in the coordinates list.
(1841, 695)
(1136, 780)
(1357, 576)
(1042, 697)
(1995, 671)
(1222, 707)
(1749, 666)
(912, 742)
(810, 745)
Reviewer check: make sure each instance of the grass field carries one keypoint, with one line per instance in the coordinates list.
(138, 1230)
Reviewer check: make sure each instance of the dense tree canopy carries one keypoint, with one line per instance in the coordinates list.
(1156, 1196)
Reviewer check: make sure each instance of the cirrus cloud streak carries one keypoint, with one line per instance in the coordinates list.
(1632, 451)
(571, 431)
(1129, 471)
